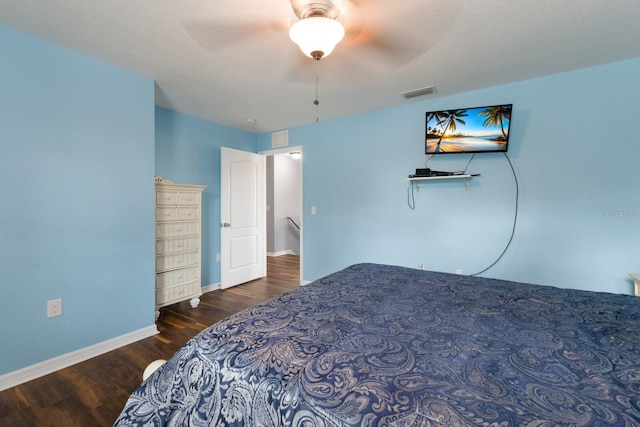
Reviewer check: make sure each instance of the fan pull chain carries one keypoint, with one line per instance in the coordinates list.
(315, 101)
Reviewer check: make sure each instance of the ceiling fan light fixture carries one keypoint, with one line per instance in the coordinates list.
(317, 36)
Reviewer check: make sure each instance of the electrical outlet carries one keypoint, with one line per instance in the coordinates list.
(420, 266)
(54, 308)
(218, 257)
(458, 271)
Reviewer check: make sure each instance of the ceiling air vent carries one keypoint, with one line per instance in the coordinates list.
(418, 92)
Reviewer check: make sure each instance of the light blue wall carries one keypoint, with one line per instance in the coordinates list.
(188, 152)
(77, 197)
(77, 166)
(575, 149)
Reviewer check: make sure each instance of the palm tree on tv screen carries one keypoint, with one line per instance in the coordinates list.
(496, 116)
(448, 120)
(437, 117)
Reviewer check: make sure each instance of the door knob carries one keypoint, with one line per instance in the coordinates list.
(225, 224)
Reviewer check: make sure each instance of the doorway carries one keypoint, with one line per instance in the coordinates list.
(284, 203)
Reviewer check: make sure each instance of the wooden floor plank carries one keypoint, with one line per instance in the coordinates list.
(93, 393)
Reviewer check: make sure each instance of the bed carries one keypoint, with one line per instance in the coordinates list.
(380, 345)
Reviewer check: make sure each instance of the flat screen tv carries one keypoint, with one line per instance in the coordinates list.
(468, 130)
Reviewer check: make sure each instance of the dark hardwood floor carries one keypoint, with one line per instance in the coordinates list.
(93, 393)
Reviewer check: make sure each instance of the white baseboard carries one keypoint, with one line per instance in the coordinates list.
(209, 288)
(49, 366)
(287, 252)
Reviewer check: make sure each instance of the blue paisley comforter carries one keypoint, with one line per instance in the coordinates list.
(376, 345)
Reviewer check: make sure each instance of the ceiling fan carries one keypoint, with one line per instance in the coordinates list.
(318, 30)
(371, 31)
(373, 37)
(378, 35)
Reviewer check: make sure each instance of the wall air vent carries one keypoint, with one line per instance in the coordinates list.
(280, 139)
(418, 92)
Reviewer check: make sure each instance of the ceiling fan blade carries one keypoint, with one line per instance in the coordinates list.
(380, 38)
(351, 17)
(216, 36)
(237, 24)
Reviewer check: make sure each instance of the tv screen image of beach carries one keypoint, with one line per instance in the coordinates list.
(468, 130)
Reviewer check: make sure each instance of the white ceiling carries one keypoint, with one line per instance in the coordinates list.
(229, 60)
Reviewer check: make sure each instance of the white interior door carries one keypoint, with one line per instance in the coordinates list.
(243, 218)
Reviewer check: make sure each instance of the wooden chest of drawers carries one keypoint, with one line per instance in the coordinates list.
(178, 237)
